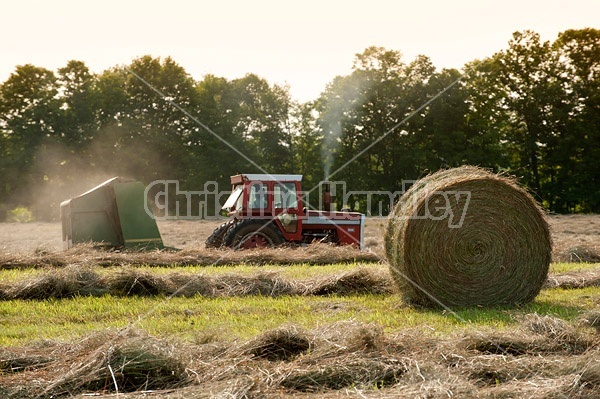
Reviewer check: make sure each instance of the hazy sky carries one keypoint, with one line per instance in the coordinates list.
(303, 43)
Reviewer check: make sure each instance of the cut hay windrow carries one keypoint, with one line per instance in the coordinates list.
(545, 357)
(465, 237)
(77, 280)
(572, 280)
(581, 253)
(314, 254)
(64, 282)
(119, 363)
(132, 282)
(346, 373)
(539, 336)
(360, 281)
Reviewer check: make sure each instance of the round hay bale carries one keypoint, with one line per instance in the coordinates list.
(464, 237)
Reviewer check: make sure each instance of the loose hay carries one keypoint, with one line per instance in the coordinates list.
(464, 237)
(575, 279)
(280, 344)
(590, 377)
(345, 359)
(539, 336)
(187, 285)
(314, 254)
(552, 327)
(592, 319)
(17, 364)
(582, 253)
(121, 363)
(348, 372)
(58, 283)
(135, 282)
(265, 284)
(86, 281)
(361, 281)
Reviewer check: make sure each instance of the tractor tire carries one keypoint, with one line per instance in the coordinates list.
(215, 240)
(249, 233)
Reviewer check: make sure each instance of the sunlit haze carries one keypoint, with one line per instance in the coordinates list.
(302, 44)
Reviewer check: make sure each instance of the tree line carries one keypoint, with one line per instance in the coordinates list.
(531, 110)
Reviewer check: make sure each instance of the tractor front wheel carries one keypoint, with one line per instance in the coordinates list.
(247, 234)
(215, 240)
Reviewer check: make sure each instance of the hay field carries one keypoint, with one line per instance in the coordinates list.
(316, 322)
(575, 237)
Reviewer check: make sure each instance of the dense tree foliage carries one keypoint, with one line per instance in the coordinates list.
(532, 110)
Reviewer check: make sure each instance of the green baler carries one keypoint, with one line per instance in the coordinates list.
(112, 214)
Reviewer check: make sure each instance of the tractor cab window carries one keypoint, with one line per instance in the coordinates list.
(284, 196)
(258, 196)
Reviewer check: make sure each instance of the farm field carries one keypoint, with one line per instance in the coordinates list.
(576, 237)
(307, 322)
(568, 232)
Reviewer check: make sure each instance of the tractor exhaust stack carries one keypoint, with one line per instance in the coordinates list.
(326, 196)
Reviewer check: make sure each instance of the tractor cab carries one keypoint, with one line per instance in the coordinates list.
(271, 198)
(267, 210)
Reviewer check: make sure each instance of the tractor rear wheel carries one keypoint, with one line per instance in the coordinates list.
(247, 234)
(215, 240)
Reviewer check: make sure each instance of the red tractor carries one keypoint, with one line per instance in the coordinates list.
(268, 210)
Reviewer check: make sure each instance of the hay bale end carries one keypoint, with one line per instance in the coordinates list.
(465, 237)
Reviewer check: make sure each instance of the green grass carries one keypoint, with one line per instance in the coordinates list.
(201, 319)
(10, 275)
(562, 267)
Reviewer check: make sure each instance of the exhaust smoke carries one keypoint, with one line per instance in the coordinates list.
(331, 142)
(344, 96)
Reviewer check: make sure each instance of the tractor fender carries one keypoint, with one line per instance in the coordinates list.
(250, 233)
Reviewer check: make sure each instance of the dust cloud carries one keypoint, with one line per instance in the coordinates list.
(61, 172)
